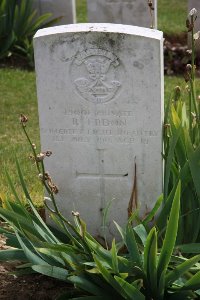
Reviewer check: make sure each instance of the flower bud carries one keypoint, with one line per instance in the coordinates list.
(196, 35)
(23, 119)
(187, 88)
(75, 214)
(192, 16)
(47, 199)
(31, 157)
(40, 157)
(48, 153)
(189, 51)
(177, 93)
(150, 3)
(192, 13)
(54, 189)
(189, 68)
(46, 176)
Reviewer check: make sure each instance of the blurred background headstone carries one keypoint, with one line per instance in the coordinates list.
(128, 12)
(58, 8)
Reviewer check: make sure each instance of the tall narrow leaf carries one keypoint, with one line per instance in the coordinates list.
(52, 271)
(150, 260)
(132, 245)
(130, 290)
(114, 257)
(170, 235)
(178, 271)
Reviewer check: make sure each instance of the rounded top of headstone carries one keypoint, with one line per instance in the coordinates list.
(100, 27)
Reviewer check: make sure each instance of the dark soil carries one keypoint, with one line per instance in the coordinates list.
(14, 62)
(27, 287)
(180, 38)
(33, 287)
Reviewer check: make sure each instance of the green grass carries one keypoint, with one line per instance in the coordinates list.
(17, 95)
(171, 15)
(81, 9)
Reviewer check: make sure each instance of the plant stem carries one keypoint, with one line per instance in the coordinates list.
(55, 210)
(190, 114)
(32, 147)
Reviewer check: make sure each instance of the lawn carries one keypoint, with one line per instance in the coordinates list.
(17, 95)
(172, 16)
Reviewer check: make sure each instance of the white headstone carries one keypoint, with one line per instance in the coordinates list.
(58, 8)
(130, 12)
(100, 93)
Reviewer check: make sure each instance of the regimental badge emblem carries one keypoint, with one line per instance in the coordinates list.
(96, 75)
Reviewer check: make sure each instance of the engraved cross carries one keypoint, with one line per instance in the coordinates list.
(101, 175)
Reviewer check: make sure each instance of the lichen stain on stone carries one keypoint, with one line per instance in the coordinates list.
(109, 40)
(138, 65)
(65, 41)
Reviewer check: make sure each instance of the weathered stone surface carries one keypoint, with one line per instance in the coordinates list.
(131, 12)
(58, 8)
(100, 96)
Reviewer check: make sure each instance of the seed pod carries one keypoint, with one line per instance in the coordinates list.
(40, 157)
(177, 93)
(23, 119)
(48, 153)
